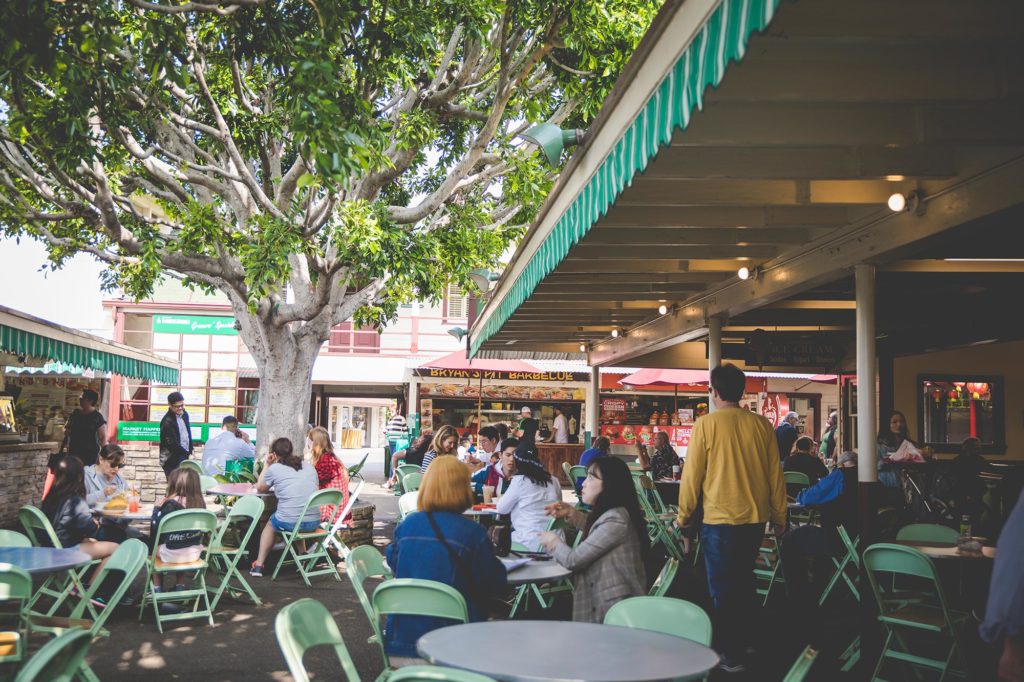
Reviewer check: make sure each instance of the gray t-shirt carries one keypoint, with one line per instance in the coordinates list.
(293, 489)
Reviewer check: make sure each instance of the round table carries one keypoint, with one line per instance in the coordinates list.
(43, 559)
(564, 650)
(537, 572)
(945, 551)
(235, 490)
(145, 513)
(480, 512)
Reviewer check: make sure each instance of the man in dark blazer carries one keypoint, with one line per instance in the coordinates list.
(175, 434)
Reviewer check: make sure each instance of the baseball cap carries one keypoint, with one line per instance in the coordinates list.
(526, 410)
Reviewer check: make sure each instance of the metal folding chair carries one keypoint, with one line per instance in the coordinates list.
(340, 523)
(847, 568)
(315, 540)
(224, 560)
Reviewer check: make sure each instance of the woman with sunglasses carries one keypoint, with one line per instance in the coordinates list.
(103, 479)
(609, 563)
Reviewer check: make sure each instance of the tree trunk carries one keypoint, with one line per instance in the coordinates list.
(285, 364)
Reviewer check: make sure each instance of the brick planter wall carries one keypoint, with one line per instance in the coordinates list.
(360, 530)
(22, 473)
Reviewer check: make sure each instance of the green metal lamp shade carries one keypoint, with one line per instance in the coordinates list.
(552, 140)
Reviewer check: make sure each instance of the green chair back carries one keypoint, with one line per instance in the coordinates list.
(12, 538)
(407, 503)
(662, 614)
(59, 660)
(411, 482)
(207, 482)
(357, 469)
(34, 521)
(433, 673)
(194, 465)
(304, 624)
(415, 597)
(15, 583)
(796, 477)
(928, 532)
(664, 580)
(186, 519)
(577, 471)
(119, 570)
(404, 469)
(802, 665)
(362, 563)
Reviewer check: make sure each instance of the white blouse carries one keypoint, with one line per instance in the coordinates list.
(525, 501)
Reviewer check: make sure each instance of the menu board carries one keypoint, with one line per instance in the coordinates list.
(631, 434)
(497, 392)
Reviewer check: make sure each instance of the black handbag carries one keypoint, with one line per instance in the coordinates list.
(500, 534)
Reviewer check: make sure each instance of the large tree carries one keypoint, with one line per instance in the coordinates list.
(315, 161)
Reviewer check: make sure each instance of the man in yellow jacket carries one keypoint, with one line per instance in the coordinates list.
(733, 463)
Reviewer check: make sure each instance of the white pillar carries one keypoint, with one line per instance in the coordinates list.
(714, 351)
(593, 407)
(867, 370)
(412, 403)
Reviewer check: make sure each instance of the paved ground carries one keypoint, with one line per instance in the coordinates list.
(241, 645)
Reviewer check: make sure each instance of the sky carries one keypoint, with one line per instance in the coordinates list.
(70, 296)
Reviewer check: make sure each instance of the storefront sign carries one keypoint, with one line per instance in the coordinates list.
(820, 351)
(150, 431)
(773, 407)
(493, 392)
(499, 375)
(613, 405)
(194, 324)
(630, 434)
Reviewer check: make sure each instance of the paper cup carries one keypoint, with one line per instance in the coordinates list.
(488, 493)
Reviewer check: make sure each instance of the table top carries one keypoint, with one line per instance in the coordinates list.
(613, 654)
(537, 572)
(236, 489)
(480, 512)
(945, 551)
(144, 513)
(43, 559)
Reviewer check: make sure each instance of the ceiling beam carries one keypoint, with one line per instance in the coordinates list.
(727, 216)
(825, 260)
(598, 252)
(969, 266)
(572, 278)
(694, 236)
(611, 288)
(627, 307)
(814, 304)
(805, 163)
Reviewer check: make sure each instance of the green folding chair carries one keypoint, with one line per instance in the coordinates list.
(662, 614)
(57, 586)
(433, 673)
(928, 532)
(354, 472)
(59, 660)
(407, 504)
(207, 482)
(659, 524)
(576, 472)
(545, 594)
(194, 465)
(415, 597)
(847, 568)
(15, 592)
(184, 520)
(316, 552)
(400, 472)
(664, 580)
(305, 624)
(795, 482)
(802, 665)
(12, 538)
(120, 569)
(365, 562)
(767, 567)
(931, 619)
(242, 519)
(411, 482)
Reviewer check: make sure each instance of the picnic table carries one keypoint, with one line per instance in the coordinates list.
(612, 654)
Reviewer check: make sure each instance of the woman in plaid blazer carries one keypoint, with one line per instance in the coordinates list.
(608, 565)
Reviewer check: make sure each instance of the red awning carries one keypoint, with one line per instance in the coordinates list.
(457, 360)
(825, 378)
(665, 377)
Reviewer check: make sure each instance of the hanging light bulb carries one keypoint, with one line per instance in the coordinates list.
(615, 333)
(743, 273)
(897, 202)
(583, 348)
(662, 309)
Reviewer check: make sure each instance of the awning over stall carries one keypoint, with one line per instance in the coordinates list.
(23, 335)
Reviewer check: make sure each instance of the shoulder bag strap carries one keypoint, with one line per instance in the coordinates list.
(460, 565)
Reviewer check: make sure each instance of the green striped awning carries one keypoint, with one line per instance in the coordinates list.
(722, 40)
(84, 351)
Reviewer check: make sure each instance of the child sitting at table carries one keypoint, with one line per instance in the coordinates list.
(181, 547)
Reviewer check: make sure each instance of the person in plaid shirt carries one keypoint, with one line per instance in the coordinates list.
(330, 472)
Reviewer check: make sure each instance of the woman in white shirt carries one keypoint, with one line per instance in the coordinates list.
(531, 490)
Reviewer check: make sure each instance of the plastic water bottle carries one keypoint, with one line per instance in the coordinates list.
(965, 526)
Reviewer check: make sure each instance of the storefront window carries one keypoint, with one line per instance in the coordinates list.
(953, 408)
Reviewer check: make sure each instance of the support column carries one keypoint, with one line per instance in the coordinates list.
(867, 373)
(412, 404)
(714, 351)
(593, 407)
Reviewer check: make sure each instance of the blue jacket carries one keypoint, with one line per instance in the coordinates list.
(836, 497)
(416, 552)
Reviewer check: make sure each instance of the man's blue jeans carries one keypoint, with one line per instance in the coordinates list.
(729, 555)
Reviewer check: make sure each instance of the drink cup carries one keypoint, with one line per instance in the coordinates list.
(676, 472)
(488, 493)
(133, 504)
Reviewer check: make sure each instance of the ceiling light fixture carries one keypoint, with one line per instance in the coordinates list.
(743, 273)
(911, 202)
(897, 202)
(583, 348)
(615, 332)
(662, 309)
